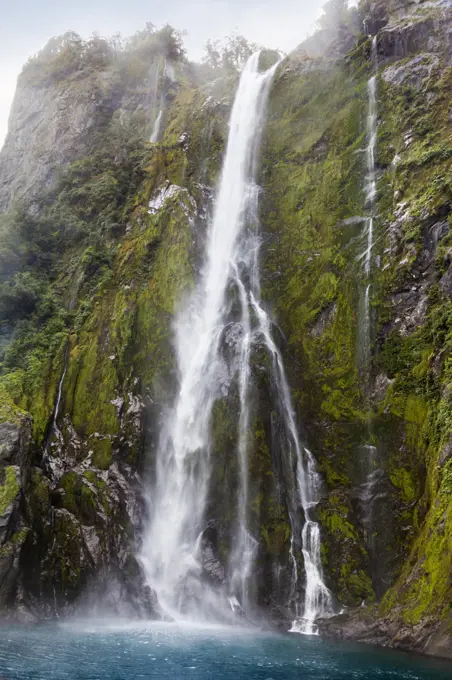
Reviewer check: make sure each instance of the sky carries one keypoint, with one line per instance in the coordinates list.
(26, 26)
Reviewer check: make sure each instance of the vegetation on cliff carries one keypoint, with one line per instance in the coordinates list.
(93, 267)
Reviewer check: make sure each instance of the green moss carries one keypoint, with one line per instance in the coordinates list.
(343, 555)
(403, 480)
(9, 488)
(39, 493)
(17, 540)
(69, 482)
(360, 586)
(85, 496)
(418, 396)
(312, 178)
(67, 555)
(9, 411)
(425, 585)
(337, 524)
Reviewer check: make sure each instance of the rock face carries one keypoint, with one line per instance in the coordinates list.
(385, 529)
(74, 433)
(103, 236)
(48, 129)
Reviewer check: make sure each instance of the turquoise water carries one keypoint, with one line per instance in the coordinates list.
(87, 652)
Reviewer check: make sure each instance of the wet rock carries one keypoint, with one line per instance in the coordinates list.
(376, 18)
(92, 543)
(446, 453)
(413, 72)
(356, 624)
(430, 637)
(326, 318)
(14, 442)
(413, 28)
(446, 280)
(213, 570)
(10, 487)
(381, 385)
(410, 308)
(184, 140)
(86, 561)
(169, 191)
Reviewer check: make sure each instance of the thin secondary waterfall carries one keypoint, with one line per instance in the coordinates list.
(172, 546)
(370, 195)
(318, 601)
(157, 102)
(156, 129)
(54, 429)
(371, 182)
(367, 489)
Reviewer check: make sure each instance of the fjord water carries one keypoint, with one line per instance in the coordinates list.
(169, 652)
(172, 548)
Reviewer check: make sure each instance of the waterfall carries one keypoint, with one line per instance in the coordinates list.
(371, 182)
(156, 129)
(318, 601)
(366, 491)
(172, 547)
(54, 429)
(370, 196)
(156, 101)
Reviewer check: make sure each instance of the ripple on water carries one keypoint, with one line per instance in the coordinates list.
(89, 651)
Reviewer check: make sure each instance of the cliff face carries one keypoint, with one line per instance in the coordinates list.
(102, 237)
(385, 513)
(100, 259)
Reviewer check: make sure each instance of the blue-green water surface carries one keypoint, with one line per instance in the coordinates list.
(169, 651)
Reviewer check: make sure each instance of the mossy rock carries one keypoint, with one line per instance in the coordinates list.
(9, 487)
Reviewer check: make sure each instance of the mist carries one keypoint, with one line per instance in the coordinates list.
(26, 27)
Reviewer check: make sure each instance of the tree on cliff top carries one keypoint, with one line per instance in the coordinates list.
(335, 13)
(230, 54)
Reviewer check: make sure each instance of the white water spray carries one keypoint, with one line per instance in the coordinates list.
(172, 547)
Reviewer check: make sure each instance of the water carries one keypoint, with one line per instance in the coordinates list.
(156, 129)
(87, 652)
(171, 552)
(370, 196)
(172, 547)
(366, 492)
(318, 601)
(54, 429)
(155, 102)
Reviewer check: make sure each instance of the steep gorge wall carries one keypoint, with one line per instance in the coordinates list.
(134, 215)
(312, 214)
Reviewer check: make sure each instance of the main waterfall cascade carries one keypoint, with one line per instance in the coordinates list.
(172, 545)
